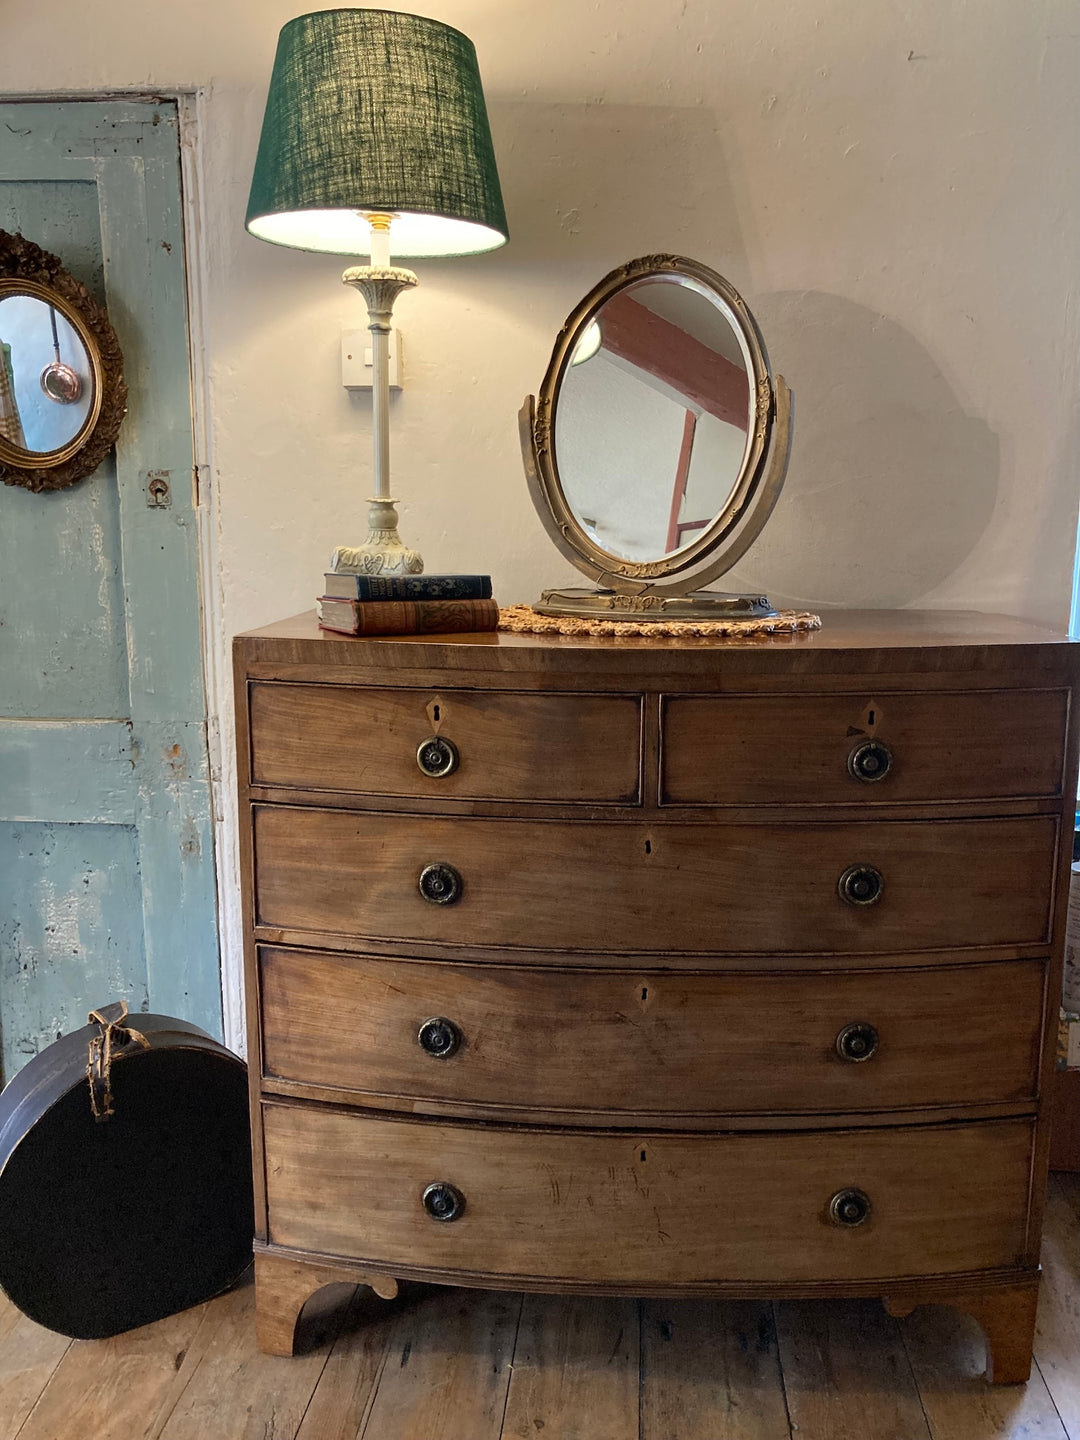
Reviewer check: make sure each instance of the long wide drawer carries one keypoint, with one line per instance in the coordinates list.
(651, 1043)
(862, 749)
(648, 1209)
(499, 746)
(580, 886)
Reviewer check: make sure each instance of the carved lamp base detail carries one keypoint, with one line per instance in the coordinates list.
(383, 552)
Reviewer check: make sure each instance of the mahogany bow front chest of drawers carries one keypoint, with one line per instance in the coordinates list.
(657, 967)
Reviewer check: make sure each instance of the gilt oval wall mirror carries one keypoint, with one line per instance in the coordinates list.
(658, 444)
(62, 391)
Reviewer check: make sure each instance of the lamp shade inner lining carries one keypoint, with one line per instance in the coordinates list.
(345, 232)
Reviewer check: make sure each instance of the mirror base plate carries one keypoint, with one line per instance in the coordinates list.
(612, 605)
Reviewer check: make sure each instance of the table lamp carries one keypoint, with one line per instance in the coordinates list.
(375, 138)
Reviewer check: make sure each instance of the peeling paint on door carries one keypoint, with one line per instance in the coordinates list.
(106, 845)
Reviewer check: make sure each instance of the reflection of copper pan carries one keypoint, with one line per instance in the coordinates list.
(59, 381)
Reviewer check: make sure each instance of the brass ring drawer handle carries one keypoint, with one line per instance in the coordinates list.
(437, 757)
(857, 1042)
(870, 761)
(443, 1201)
(861, 885)
(438, 1037)
(849, 1208)
(440, 884)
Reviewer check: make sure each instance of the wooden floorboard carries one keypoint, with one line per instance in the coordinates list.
(29, 1356)
(711, 1371)
(447, 1368)
(1057, 1326)
(440, 1364)
(846, 1372)
(575, 1371)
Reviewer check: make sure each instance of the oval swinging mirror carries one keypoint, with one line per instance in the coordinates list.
(659, 443)
(62, 391)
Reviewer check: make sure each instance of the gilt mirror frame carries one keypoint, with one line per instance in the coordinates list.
(756, 488)
(27, 269)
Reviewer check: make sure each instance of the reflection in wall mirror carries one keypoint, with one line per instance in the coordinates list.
(62, 391)
(47, 392)
(659, 442)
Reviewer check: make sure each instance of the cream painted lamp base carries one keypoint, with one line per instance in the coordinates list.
(383, 552)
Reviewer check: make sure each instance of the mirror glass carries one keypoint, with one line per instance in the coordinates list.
(654, 417)
(47, 377)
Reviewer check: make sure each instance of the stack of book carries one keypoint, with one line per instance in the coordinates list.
(406, 604)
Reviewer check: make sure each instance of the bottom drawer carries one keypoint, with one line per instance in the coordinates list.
(648, 1209)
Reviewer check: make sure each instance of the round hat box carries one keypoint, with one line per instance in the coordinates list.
(125, 1175)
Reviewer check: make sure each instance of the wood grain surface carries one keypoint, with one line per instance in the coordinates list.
(574, 748)
(611, 1045)
(794, 749)
(738, 1394)
(703, 888)
(649, 1208)
(557, 1386)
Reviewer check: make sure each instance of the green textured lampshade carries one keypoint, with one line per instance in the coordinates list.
(379, 111)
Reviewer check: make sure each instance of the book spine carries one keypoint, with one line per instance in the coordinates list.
(417, 587)
(424, 617)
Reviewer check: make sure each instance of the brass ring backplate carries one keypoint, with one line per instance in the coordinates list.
(443, 1201)
(861, 885)
(439, 1037)
(870, 761)
(437, 757)
(440, 884)
(849, 1208)
(857, 1042)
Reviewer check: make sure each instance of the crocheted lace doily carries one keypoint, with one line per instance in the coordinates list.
(524, 620)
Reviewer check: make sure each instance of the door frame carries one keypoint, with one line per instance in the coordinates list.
(190, 101)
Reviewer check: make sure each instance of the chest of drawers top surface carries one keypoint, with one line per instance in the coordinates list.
(856, 641)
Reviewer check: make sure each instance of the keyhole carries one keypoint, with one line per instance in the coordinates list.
(435, 713)
(648, 847)
(644, 992)
(870, 717)
(643, 1154)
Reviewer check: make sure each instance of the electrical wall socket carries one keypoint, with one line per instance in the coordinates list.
(356, 359)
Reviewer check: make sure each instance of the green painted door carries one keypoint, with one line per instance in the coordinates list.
(106, 844)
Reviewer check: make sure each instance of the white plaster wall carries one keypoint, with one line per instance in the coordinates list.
(894, 187)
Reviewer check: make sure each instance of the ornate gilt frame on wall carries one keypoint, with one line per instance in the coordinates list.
(27, 269)
(659, 585)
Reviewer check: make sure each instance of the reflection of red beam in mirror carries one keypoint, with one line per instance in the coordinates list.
(682, 470)
(707, 379)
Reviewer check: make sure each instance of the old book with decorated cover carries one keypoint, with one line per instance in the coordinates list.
(406, 617)
(407, 587)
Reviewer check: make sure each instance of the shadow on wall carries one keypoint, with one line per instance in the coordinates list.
(891, 483)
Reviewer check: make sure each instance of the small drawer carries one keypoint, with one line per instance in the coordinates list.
(488, 745)
(876, 886)
(647, 1209)
(616, 1044)
(862, 749)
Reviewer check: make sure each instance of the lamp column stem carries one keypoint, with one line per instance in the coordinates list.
(379, 325)
(383, 552)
